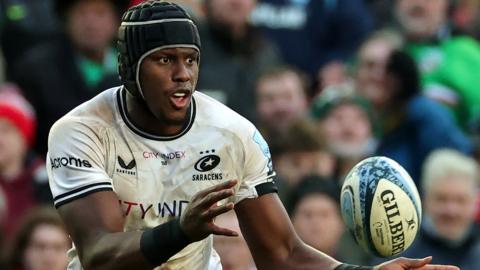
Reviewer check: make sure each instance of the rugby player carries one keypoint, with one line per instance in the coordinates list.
(139, 172)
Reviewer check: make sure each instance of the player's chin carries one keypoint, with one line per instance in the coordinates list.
(177, 118)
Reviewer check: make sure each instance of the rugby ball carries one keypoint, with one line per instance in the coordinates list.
(380, 206)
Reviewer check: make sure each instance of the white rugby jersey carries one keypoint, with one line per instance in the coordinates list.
(96, 147)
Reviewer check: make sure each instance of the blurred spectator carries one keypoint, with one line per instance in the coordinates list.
(448, 63)
(315, 212)
(135, 2)
(58, 77)
(412, 125)
(348, 124)
(41, 243)
(370, 65)
(234, 54)
(423, 20)
(19, 27)
(233, 251)
(312, 33)
(300, 152)
(281, 100)
(466, 17)
(334, 73)
(448, 231)
(23, 177)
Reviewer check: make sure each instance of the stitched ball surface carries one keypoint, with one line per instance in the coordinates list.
(381, 206)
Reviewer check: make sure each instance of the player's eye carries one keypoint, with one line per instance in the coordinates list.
(191, 60)
(163, 60)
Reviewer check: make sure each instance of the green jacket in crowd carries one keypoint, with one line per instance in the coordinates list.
(451, 73)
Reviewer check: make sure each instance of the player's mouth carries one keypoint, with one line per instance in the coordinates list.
(180, 99)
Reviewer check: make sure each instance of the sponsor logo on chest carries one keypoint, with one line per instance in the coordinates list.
(126, 168)
(171, 208)
(164, 157)
(207, 162)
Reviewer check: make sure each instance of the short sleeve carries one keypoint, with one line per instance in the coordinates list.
(258, 173)
(76, 161)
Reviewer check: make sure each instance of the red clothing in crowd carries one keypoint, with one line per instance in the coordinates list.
(22, 193)
(135, 2)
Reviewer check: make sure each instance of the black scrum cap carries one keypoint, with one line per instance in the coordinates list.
(146, 28)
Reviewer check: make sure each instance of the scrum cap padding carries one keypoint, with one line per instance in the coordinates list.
(149, 27)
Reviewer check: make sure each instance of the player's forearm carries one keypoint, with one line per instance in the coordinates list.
(115, 251)
(295, 255)
(136, 250)
(271, 237)
(305, 257)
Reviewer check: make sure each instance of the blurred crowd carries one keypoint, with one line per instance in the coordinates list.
(327, 82)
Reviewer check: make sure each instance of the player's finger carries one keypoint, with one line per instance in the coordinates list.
(218, 187)
(215, 211)
(223, 231)
(214, 197)
(438, 267)
(415, 263)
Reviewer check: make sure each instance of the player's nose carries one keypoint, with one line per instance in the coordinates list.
(181, 73)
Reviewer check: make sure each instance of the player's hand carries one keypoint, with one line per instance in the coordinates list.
(197, 220)
(413, 264)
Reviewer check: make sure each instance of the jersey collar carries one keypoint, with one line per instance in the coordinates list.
(122, 107)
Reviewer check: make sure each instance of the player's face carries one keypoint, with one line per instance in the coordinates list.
(168, 78)
(47, 249)
(451, 203)
(317, 221)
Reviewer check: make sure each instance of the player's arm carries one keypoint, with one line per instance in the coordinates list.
(262, 218)
(95, 223)
(275, 245)
(272, 239)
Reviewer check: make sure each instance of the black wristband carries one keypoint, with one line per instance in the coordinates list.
(345, 266)
(162, 242)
